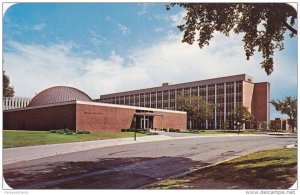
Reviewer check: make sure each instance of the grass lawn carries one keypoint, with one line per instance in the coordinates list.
(19, 138)
(268, 169)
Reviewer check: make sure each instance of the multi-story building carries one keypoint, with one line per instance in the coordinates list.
(225, 92)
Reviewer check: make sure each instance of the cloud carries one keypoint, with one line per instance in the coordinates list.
(39, 27)
(158, 29)
(143, 10)
(109, 19)
(33, 68)
(144, 7)
(124, 29)
(96, 38)
(177, 19)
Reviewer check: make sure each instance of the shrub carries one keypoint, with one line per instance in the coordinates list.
(174, 130)
(83, 132)
(134, 130)
(63, 131)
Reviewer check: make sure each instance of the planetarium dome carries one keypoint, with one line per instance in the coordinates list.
(58, 94)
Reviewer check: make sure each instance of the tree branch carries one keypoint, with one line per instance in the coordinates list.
(290, 28)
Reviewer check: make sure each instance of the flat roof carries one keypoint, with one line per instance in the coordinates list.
(243, 77)
(97, 104)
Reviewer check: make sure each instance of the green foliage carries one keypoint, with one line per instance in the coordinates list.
(8, 91)
(241, 115)
(274, 125)
(83, 132)
(263, 25)
(226, 125)
(63, 131)
(287, 106)
(174, 130)
(198, 110)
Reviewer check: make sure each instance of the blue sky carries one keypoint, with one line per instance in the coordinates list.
(110, 47)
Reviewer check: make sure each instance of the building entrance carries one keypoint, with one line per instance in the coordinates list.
(145, 124)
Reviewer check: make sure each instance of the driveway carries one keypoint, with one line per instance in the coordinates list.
(133, 165)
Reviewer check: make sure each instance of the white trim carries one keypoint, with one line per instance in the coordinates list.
(96, 104)
(126, 106)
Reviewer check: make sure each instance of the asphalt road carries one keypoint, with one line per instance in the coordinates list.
(133, 165)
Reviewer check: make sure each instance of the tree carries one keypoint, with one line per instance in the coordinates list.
(8, 91)
(275, 125)
(287, 106)
(198, 110)
(241, 115)
(263, 25)
(226, 125)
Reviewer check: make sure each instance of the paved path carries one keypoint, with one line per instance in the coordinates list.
(14, 155)
(134, 165)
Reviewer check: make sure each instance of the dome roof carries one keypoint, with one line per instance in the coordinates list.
(58, 94)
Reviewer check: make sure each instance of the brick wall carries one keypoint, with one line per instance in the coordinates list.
(103, 118)
(44, 118)
(170, 120)
(83, 117)
(261, 101)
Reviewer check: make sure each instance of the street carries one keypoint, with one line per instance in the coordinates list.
(134, 165)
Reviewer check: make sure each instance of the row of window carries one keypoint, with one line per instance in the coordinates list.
(170, 95)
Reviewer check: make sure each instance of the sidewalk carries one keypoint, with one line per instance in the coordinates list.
(14, 155)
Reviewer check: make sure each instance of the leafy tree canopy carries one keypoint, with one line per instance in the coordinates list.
(263, 25)
(198, 110)
(287, 106)
(8, 91)
(241, 115)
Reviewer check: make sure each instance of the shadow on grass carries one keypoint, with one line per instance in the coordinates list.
(262, 173)
(108, 173)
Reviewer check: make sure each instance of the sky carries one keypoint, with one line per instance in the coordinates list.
(103, 48)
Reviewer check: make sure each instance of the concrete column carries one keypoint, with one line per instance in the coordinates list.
(169, 102)
(234, 95)
(225, 102)
(162, 99)
(150, 100)
(190, 94)
(175, 99)
(206, 99)
(139, 99)
(215, 106)
(156, 99)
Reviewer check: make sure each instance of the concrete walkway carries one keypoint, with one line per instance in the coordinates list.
(14, 155)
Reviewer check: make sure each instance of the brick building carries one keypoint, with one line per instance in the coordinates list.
(67, 107)
(225, 92)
